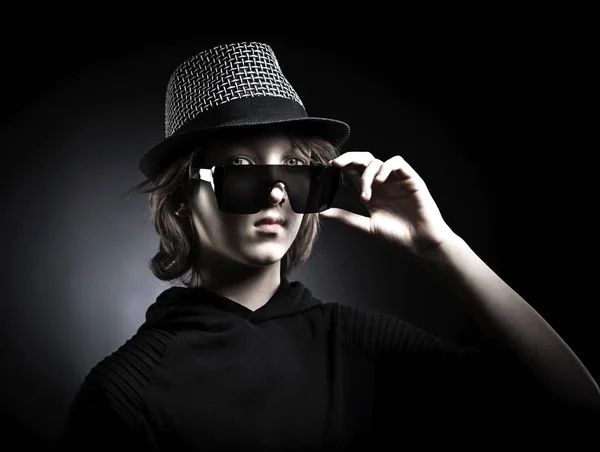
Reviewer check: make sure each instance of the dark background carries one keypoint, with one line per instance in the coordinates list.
(490, 112)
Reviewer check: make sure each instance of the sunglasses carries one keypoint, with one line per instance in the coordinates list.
(245, 189)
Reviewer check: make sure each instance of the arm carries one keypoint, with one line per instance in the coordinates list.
(501, 313)
(404, 214)
(93, 422)
(105, 411)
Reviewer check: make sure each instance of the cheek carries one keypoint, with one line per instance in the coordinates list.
(205, 197)
(296, 223)
(204, 203)
(205, 210)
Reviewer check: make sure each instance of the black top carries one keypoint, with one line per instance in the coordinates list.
(206, 373)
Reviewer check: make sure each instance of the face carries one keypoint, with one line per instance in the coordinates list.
(234, 238)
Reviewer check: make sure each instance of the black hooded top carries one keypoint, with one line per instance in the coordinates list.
(206, 373)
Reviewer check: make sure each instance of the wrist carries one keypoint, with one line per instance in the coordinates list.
(434, 245)
(438, 251)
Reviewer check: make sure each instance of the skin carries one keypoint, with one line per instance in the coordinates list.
(237, 260)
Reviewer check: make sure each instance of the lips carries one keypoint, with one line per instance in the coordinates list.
(270, 220)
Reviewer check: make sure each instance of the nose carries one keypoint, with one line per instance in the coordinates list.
(278, 193)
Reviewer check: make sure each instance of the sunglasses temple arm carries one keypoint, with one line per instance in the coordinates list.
(206, 174)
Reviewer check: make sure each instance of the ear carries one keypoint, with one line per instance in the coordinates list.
(183, 211)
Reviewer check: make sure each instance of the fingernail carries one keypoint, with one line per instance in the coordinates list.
(363, 195)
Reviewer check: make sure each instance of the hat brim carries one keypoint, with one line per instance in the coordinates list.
(157, 158)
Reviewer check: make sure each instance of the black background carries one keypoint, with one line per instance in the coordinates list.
(491, 109)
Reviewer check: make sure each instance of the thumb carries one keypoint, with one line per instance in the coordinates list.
(349, 218)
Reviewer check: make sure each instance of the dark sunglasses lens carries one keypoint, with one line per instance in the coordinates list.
(245, 189)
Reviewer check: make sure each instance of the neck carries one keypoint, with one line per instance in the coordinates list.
(249, 286)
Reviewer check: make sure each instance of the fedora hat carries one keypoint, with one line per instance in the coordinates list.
(227, 87)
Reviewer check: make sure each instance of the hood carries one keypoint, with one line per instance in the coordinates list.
(182, 307)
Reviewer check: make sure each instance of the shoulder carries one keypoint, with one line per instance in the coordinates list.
(118, 381)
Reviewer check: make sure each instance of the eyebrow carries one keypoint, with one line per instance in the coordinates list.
(255, 151)
(232, 152)
(224, 150)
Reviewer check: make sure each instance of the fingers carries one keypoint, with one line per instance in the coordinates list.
(361, 222)
(364, 159)
(367, 178)
(376, 171)
(402, 170)
(361, 157)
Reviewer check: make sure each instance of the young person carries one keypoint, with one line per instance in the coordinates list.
(237, 357)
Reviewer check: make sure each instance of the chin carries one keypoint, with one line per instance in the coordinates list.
(264, 257)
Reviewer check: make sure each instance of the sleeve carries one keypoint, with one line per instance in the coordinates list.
(422, 372)
(105, 410)
(95, 421)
